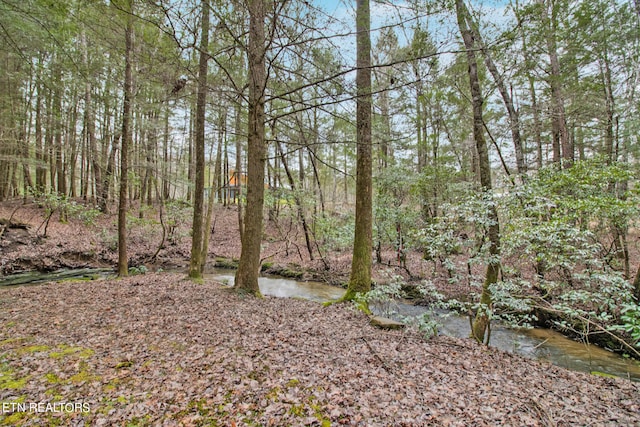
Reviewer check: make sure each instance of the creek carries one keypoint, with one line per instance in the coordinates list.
(35, 277)
(542, 344)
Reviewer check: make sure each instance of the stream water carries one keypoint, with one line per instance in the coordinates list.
(544, 344)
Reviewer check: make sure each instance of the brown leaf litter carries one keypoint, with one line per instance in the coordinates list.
(158, 349)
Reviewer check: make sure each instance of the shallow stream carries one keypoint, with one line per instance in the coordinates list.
(544, 344)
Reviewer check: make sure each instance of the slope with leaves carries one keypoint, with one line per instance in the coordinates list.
(159, 349)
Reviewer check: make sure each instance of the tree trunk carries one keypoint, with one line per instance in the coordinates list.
(25, 141)
(481, 322)
(195, 267)
(537, 133)
(108, 154)
(246, 280)
(58, 169)
(218, 182)
(49, 145)
(384, 154)
(107, 179)
(605, 72)
(238, 171)
(562, 144)
(72, 148)
(166, 183)
(316, 175)
(313, 156)
(360, 279)
(41, 172)
(421, 144)
(514, 119)
(191, 160)
(123, 262)
(152, 157)
(216, 187)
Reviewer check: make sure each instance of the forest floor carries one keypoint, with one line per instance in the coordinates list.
(157, 349)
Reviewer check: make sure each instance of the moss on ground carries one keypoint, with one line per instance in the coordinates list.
(64, 350)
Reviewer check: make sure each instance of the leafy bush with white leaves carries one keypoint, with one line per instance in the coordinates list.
(557, 231)
(630, 321)
(384, 300)
(558, 248)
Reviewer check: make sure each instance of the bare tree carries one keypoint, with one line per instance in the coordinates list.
(195, 265)
(127, 114)
(514, 118)
(481, 323)
(246, 280)
(360, 280)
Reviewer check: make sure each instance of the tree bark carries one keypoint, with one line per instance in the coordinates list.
(166, 165)
(246, 280)
(360, 279)
(41, 172)
(25, 139)
(537, 133)
(605, 73)
(195, 266)
(219, 180)
(58, 169)
(71, 154)
(107, 153)
(123, 263)
(238, 171)
(481, 322)
(562, 144)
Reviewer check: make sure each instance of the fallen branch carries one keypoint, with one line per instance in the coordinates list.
(385, 365)
(545, 417)
(548, 308)
(541, 344)
(46, 223)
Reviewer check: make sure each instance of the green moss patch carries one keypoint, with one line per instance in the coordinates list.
(10, 341)
(9, 380)
(64, 350)
(226, 263)
(33, 349)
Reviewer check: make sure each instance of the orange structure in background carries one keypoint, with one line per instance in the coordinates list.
(232, 189)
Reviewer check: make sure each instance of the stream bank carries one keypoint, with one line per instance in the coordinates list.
(158, 349)
(541, 344)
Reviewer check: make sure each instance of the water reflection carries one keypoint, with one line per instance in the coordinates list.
(579, 356)
(285, 288)
(541, 344)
